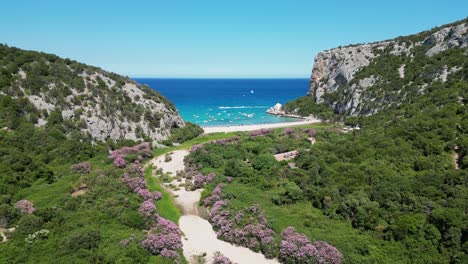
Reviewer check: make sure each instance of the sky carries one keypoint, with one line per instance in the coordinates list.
(212, 39)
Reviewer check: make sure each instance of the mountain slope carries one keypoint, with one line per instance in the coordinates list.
(102, 104)
(403, 175)
(366, 78)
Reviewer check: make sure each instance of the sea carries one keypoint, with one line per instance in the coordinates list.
(220, 102)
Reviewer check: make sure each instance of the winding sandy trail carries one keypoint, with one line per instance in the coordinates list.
(199, 236)
(187, 200)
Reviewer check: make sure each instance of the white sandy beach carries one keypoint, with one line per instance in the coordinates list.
(199, 236)
(217, 129)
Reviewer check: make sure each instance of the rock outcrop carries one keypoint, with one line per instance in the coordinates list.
(277, 109)
(335, 78)
(99, 103)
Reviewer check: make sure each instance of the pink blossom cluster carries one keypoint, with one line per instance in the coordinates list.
(163, 238)
(136, 168)
(134, 183)
(196, 147)
(164, 244)
(119, 162)
(147, 209)
(83, 167)
(143, 149)
(25, 206)
(229, 179)
(199, 180)
(247, 228)
(261, 132)
(297, 248)
(309, 131)
(147, 195)
(118, 156)
(225, 141)
(288, 131)
(327, 254)
(221, 259)
(215, 195)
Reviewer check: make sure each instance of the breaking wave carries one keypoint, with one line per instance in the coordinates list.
(241, 107)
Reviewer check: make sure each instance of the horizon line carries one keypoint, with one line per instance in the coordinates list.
(207, 77)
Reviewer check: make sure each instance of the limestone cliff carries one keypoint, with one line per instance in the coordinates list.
(346, 78)
(102, 104)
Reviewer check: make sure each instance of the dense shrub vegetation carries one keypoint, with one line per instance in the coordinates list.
(394, 191)
(306, 105)
(66, 199)
(182, 134)
(368, 209)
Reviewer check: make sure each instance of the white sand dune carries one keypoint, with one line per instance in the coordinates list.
(216, 129)
(199, 236)
(173, 166)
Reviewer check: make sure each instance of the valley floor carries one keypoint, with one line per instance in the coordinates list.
(199, 236)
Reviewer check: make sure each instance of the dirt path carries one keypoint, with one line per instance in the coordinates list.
(199, 236)
(187, 200)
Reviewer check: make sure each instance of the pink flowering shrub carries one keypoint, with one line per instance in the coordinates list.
(327, 254)
(83, 167)
(225, 141)
(164, 239)
(199, 180)
(196, 147)
(114, 154)
(159, 243)
(310, 132)
(288, 131)
(229, 179)
(246, 228)
(147, 209)
(295, 247)
(167, 226)
(133, 183)
(147, 195)
(171, 254)
(221, 259)
(25, 206)
(261, 132)
(119, 162)
(141, 150)
(136, 169)
(215, 196)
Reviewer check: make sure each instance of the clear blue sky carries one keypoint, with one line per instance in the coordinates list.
(197, 38)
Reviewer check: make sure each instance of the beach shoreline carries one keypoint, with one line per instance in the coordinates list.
(236, 128)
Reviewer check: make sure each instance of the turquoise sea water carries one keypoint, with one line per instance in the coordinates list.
(214, 102)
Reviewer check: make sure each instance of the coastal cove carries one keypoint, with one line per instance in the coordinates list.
(223, 102)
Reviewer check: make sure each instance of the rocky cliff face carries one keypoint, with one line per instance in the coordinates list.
(102, 104)
(344, 78)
